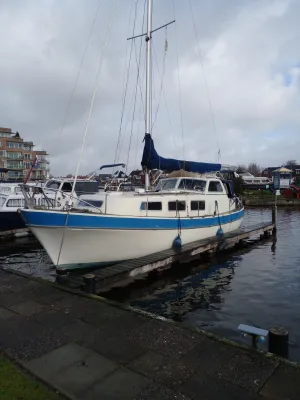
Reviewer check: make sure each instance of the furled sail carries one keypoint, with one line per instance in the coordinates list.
(152, 160)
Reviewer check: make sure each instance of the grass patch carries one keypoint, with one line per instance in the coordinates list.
(17, 385)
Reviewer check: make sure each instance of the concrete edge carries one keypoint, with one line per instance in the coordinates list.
(115, 304)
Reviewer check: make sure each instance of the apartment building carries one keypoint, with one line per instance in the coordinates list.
(17, 155)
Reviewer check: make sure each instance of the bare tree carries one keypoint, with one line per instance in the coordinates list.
(241, 168)
(254, 169)
(291, 163)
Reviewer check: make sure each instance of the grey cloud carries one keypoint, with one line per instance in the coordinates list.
(248, 47)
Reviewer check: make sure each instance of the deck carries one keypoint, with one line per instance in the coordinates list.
(99, 280)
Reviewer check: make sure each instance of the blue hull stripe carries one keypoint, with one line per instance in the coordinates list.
(88, 221)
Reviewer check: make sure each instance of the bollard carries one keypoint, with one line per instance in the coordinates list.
(61, 276)
(279, 341)
(89, 283)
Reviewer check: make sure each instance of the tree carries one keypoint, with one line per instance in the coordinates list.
(241, 168)
(238, 184)
(254, 169)
(291, 163)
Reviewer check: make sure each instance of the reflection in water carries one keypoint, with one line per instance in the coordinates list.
(259, 285)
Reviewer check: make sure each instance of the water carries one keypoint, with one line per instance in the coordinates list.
(259, 285)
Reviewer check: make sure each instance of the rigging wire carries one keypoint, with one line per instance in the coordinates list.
(117, 153)
(179, 86)
(135, 93)
(88, 120)
(205, 81)
(136, 59)
(162, 78)
(79, 71)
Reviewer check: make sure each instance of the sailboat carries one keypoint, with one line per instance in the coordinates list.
(192, 203)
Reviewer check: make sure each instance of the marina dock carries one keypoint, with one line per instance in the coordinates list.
(87, 348)
(99, 280)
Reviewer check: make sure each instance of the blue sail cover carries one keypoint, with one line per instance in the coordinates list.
(152, 160)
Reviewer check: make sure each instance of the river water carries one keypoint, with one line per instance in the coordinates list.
(258, 285)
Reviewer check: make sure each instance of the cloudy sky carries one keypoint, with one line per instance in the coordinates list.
(251, 63)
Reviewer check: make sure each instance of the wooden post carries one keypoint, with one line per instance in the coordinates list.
(274, 219)
(279, 342)
(89, 283)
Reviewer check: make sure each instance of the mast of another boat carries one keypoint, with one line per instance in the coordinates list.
(148, 81)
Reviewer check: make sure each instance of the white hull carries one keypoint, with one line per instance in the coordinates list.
(85, 247)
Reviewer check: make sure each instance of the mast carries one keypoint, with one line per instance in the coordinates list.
(148, 80)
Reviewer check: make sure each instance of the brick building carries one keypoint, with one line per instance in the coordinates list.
(17, 155)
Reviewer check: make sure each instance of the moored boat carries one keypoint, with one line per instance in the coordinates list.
(109, 227)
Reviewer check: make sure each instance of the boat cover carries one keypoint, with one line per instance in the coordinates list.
(151, 160)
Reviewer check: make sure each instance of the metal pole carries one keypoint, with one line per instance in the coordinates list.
(148, 80)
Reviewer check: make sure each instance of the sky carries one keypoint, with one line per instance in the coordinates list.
(228, 79)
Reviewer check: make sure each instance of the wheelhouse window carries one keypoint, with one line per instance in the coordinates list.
(167, 184)
(152, 206)
(197, 205)
(66, 187)
(215, 186)
(176, 205)
(53, 184)
(192, 184)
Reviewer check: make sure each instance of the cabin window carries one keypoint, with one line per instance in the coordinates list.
(15, 203)
(86, 187)
(197, 205)
(297, 171)
(88, 203)
(215, 186)
(176, 205)
(151, 206)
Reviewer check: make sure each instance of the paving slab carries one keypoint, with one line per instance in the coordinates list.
(167, 371)
(53, 319)
(203, 387)
(283, 384)
(248, 369)
(28, 308)
(10, 298)
(81, 332)
(157, 392)
(6, 314)
(122, 384)
(37, 346)
(79, 377)
(119, 349)
(167, 339)
(106, 316)
(209, 355)
(61, 358)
